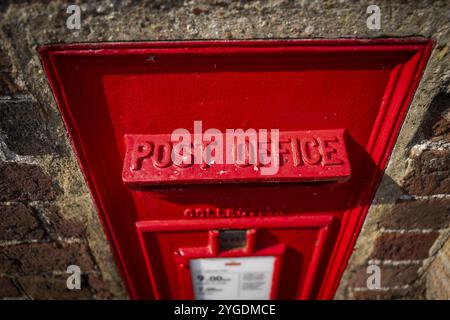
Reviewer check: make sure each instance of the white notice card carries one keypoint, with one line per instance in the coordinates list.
(248, 278)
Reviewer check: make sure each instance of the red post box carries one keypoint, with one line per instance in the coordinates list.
(189, 210)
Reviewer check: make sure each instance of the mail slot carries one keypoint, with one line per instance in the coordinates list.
(234, 169)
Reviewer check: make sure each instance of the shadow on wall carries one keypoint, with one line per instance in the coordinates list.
(436, 125)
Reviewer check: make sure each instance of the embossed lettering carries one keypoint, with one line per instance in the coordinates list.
(329, 152)
(239, 212)
(142, 150)
(293, 155)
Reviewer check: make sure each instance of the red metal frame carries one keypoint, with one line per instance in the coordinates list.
(324, 223)
(406, 58)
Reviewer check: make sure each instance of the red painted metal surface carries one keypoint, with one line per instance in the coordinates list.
(107, 92)
(198, 239)
(304, 156)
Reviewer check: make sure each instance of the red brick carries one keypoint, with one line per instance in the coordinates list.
(18, 222)
(419, 214)
(44, 257)
(22, 182)
(403, 246)
(430, 173)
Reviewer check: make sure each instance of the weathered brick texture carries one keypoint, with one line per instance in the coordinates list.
(403, 246)
(25, 182)
(34, 254)
(430, 173)
(37, 241)
(19, 222)
(418, 214)
(35, 258)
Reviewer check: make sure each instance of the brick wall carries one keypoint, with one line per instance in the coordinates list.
(37, 241)
(47, 219)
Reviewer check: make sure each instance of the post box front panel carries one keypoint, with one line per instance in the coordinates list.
(296, 243)
(112, 95)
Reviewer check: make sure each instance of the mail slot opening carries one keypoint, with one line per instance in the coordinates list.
(232, 239)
